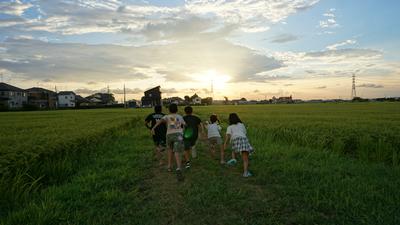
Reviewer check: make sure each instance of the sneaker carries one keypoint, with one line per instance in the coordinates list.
(187, 165)
(247, 174)
(179, 175)
(169, 169)
(232, 162)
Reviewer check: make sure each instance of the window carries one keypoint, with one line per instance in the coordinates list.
(18, 93)
(66, 97)
(11, 93)
(2, 93)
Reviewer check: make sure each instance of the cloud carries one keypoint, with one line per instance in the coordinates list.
(346, 53)
(369, 85)
(87, 91)
(329, 21)
(341, 44)
(15, 7)
(284, 38)
(70, 17)
(321, 87)
(251, 15)
(169, 90)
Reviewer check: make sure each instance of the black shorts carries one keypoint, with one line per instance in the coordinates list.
(189, 143)
(159, 140)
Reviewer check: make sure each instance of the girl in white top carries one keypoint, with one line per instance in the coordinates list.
(237, 135)
(214, 137)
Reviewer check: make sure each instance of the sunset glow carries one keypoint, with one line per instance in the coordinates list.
(305, 48)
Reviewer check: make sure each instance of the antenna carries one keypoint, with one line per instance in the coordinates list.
(353, 89)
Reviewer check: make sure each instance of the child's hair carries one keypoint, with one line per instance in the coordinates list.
(188, 110)
(234, 119)
(173, 108)
(213, 118)
(157, 109)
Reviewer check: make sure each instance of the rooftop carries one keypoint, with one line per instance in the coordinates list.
(7, 87)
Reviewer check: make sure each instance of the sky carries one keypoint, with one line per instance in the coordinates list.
(309, 49)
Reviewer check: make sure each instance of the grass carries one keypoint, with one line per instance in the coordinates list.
(119, 182)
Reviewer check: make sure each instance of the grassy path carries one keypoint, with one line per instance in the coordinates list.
(121, 184)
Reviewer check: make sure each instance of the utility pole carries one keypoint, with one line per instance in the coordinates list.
(124, 97)
(353, 89)
(212, 88)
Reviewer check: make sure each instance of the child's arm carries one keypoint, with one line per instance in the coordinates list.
(157, 124)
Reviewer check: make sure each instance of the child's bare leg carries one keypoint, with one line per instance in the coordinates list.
(233, 155)
(245, 157)
(187, 155)
(222, 154)
(212, 151)
(169, 158)
(178, 160)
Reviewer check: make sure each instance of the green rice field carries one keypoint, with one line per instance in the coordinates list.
(335, 163)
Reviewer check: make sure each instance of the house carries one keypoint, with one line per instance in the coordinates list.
(66, 99)
(173, 100)
(241, 101)
(42, 98)
(81, 101)
(286, 100)
(132, 104)
(152, 97)
(102, 99)
(195, 99)
(12, 97)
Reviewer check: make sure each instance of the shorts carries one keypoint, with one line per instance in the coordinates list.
(241, 144)
(175, 142)
(215, 140)
(159, 140)
(190, 142)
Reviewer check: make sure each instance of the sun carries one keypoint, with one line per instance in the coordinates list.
(214, 78)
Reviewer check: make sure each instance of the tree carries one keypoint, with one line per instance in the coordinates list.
(226, 100)
(207, 101)
(187, 99)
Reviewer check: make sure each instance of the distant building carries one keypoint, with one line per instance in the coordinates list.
(102, 99)
(241, 101)
(152, 97)
(282, 100)
(132, 104)
(12, 97)
(195, 99)
(81, 101)
(173, 100)
(42, 98)
(66, 99)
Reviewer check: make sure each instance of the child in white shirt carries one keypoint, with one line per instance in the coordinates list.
(214, 137)
(237, 135)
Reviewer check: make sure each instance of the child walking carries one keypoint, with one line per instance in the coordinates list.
(214, 137)
(159, 138)
(191, 133)
(236, 134)
(175, 124)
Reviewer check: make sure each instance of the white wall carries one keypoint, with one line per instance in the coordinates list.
(66, 101)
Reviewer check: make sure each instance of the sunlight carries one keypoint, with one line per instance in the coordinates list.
(212, 76)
